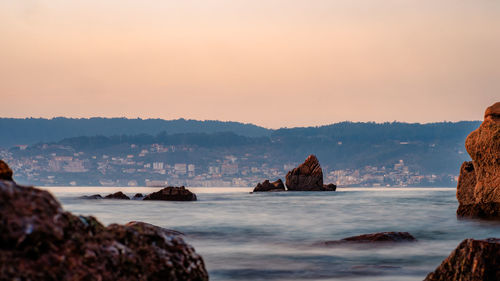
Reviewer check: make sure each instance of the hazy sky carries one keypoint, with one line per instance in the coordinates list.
(274, 63)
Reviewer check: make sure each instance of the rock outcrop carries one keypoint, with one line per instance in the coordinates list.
(172, 193)
(308, 176)
(270, 186)
(478, 189)
(380, 237)
(95, 196)
(40, 241)
(471, 260)
(117, 195)
(5, 171)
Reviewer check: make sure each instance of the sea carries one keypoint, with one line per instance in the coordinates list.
(277, 236)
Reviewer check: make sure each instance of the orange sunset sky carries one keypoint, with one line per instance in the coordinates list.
(274, 63)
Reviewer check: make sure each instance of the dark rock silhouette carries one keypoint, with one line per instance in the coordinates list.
(308, 176)
(5, 171)
(172, 193)
(95, 196)
(270, 186)
(138, 196)
(40, 241)
(380, 237)
(117, 195)
(478, 189)
(471, 260)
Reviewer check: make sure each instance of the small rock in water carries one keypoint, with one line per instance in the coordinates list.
(172, 193)
(270, 186)
(117, 195)
(138, 196)
(95, 196)
(380, 237)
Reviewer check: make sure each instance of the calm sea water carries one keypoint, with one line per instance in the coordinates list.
(271, 236)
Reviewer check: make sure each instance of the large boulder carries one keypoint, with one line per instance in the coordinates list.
(308, 176)
(40, 241)
(472, 260)
(172, 193)
(270, 186)
(478, 189)
(5, 171)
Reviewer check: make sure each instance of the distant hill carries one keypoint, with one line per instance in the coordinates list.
(33, 130)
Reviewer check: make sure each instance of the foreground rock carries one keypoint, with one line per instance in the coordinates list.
(39, 241)
(270, 186)
(308, 176)
(381, 237)
(471, 260)
(117, 195)
(478, 189)
(5, 171)
(172, 193)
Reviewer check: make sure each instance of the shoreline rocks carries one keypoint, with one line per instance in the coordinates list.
(275, 186)
(40, 241)
(471, 260)
(478, 188)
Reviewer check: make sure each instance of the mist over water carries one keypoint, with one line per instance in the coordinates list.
(272, 236)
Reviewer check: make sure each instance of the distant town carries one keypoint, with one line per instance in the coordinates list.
(151, 165)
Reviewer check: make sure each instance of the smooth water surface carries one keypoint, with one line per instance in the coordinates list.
(271, 236)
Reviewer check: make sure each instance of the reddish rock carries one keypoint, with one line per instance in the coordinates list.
(270, 186)
(39, 241)
(5, 171)
(117, 195)
(172, 193)
(472, 260)
(478, 189)
(308, 176)
(381, 237)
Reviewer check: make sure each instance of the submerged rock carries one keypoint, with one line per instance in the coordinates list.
(172, 193)
(380, 237)
(40, 241)
(270, 186)
(471, 260)
(478, 189)
(5, 171)
(308, 176)
(117, 195)
(95, 196)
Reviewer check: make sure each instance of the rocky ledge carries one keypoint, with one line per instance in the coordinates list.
(377, 238)
(308, 176)
(471, 260)
(478, 189)
(40, 241)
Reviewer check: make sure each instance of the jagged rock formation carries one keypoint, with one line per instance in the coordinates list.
(5, 171)
(117, 195)
(472, 260)
(270, 186)
(308, 176)
(40, 241)
(380, 237)
(172, 193)
(478, 189)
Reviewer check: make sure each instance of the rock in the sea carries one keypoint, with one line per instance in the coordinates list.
(5, 171)
(380, 237)
(39, 241)
(478, 189)
(308, 176)
(329, 187)
(270, 186)
(117, 195)
(172, 193)
(138, 196)
(472, 260)
(95, 196)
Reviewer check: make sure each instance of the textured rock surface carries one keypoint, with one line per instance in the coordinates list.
(117, 195)
(5, 171)
(478, 190)
(308, 176)
(380, 237)
(270, 186)
(472, 260)
(39, 241)
(172, 193)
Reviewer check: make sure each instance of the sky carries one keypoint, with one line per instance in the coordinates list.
(274, 63)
